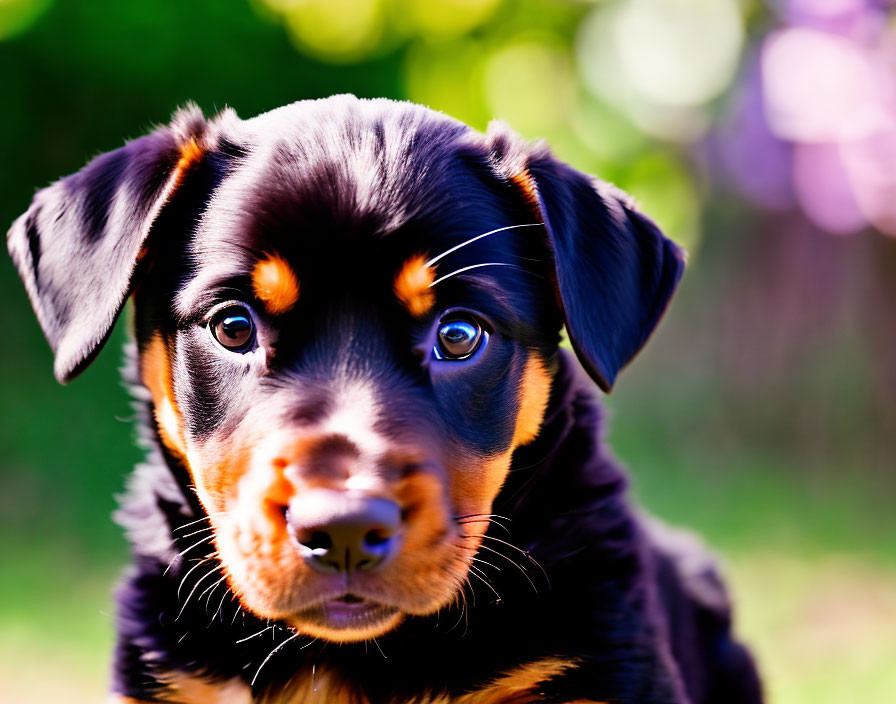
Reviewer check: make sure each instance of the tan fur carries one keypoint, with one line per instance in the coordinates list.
(155, 371)
(412, 286)
(524, 181)
(190, 154)
(475, 486)
(275, 284)
(181, 688)
(535, 389)
(519, 686)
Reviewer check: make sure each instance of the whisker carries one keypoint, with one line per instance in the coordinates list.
(483, 515)
(183, 607)
(496, 517)
(512, 562)
(486, 518)
(476, 572)
(456, 247)
(209, 590)
(486, 562)
(199, 520)
(477, 266)
(184, 552)
(207, 529)
(263, 630)
(220, 610)
(191, 523)
(189, 572)
(519, 550)
(236, 613)
(270, 655)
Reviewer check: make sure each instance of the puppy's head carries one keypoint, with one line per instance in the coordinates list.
(347, 314)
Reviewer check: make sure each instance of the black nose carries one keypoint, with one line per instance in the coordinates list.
(338, 531)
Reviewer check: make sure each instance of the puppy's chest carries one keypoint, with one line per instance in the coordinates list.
(517, 686)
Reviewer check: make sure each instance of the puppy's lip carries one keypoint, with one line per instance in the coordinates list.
(347, 612)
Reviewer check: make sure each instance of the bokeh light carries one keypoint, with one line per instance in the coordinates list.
(334, 30)
(830, 88)
(661, 60)
(446, 18)
(816, 84)
(16, 16)
(530, 83)
(447, 76)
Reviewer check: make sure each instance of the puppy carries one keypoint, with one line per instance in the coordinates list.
(372, 475)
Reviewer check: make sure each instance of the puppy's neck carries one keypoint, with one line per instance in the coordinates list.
(566, 473)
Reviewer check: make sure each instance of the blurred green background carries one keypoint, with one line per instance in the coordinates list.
(759, 135)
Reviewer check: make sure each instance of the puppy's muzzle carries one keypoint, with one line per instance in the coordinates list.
(342, 531)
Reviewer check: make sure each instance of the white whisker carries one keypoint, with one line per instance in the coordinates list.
(207, 590)
(477, 237)
(189, 572)
(199, 520)
(476, 572)
(263, 630)
(207, 529)
(270, 654)
(184, 552)
(512, 562)
(477, 266)
(183, 607)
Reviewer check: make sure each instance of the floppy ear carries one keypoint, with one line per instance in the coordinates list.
(614, 270)
(79, 244)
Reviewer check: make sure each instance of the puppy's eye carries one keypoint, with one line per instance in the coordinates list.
(458, 338)
(233, 328)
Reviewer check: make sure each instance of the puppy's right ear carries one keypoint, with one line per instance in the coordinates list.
(79, 244)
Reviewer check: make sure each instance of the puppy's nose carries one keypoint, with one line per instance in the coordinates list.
(339, 531)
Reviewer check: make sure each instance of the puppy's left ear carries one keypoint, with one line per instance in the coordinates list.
(614, 270)
(78, 246)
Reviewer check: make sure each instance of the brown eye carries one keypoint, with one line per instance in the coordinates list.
(458, 338)
(233, 328)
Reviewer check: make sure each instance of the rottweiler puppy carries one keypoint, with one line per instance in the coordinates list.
(373, 476)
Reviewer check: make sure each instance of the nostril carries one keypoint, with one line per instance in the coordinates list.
(377, 536)
(317, 540)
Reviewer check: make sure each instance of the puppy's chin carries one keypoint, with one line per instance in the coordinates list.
(344, 617)
(340, 621)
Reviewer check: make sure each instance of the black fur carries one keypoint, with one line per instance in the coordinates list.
(346, 191)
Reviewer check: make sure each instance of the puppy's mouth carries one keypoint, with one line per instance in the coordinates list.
(347, 613)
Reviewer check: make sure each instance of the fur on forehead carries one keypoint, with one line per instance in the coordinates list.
(355, 167)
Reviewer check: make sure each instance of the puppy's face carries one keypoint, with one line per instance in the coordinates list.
(346, 315)
(305, 350)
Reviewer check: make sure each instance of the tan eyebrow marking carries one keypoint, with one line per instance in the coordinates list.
(275, 284)
(412, 286)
